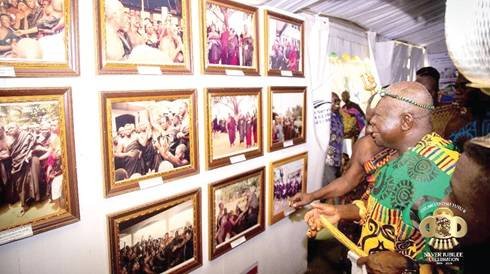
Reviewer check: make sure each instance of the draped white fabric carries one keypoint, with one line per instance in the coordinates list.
(371, 38)
(317, 33)
(346, 39)
(398, 62)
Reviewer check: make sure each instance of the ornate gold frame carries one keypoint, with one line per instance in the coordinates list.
(114, 220)
(107, 98)
(225, 160)
(33, 68)
(289, 20)
(221, 69)
(63, 96)
(215, 251)
(296, 141)
(302, 156)
(113, 67)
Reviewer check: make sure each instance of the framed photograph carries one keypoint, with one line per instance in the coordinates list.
(286, 178)
(135, 34)
(287, 117)
(229, 35)
(236, 211)
(284, 48)
(37, 160)
(161, 237)
(233, 125)
(39, 38)
(148, 134)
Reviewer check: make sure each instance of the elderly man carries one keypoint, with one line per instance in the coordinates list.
(404, 187)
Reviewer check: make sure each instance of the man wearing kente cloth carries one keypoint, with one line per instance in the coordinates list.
(405, 188)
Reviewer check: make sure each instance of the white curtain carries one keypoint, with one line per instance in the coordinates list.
(417, 58)
(397, 61)
(317, 30)
(371, 37)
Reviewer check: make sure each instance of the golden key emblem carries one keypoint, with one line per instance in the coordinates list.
(443, 228)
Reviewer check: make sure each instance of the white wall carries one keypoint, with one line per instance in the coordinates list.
(83, 247)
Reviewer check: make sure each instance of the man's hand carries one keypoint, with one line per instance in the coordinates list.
(312, 217)
(384, 262)
(300, 199)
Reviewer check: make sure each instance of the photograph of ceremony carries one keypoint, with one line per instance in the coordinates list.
(37, 183)
(34, 30)
(237, 210)
(145, 32)
(230, 35)
(234, 122)
(159, 238)
(150, 136)
(287, 114)
(284, 43)
(289, 178)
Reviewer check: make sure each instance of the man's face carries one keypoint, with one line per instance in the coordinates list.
(5, 21)
(385, 124)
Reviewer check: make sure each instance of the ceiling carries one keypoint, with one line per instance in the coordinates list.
(419, 22)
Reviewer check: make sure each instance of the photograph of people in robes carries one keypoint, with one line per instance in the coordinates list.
(33, 30)
(230, 36)
(236, 209)
(234, 124)
(289, 178)
(284, 45)
(151, 137)
(287, 117)
(32, 170)
(160, 239)
(145, 32)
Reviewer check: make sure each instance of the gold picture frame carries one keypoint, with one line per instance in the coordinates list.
(224, 113)
(284, 45)
(241, 35)
(148, 134)
(286, 119)
(43, 39)
(248, 223)
(289, 169)
(181, 212)
(151, 38)
(38, 161)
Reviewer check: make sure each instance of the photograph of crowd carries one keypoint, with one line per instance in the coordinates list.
(289, 177)
(149, 136)
(285, 47)
(32, 171)
(236, 208)
(162, 238)
(34, 30)
(230, 35)
(145, 32)
(234, 125)
(287, 116)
